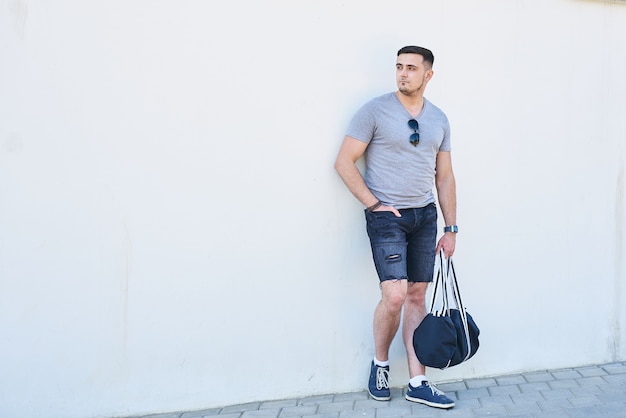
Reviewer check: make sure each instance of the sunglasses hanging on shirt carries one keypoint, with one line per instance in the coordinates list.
(414, 139)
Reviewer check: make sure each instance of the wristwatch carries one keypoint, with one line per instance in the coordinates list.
(451, 228)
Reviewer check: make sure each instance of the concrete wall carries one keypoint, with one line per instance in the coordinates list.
(172, 232)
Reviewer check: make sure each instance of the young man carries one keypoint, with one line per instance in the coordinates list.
(407, 140)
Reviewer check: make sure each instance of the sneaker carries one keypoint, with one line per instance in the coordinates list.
(429, 395)
(378, 386)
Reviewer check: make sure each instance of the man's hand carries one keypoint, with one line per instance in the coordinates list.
(448, 243)
(383, 208)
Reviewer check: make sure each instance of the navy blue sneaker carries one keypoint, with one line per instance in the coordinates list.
(429, 395)
(378, 386)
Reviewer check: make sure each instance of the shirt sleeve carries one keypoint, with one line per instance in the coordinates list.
(363, 124)
(445, 144)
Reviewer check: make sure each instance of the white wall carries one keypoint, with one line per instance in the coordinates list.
(173, 235)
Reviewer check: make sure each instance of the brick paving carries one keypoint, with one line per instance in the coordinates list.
(590, 391)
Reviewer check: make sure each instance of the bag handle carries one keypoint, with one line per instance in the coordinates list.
(441, 285)
(451, 278)
(454, 284)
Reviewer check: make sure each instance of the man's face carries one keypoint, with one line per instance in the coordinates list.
(411, 73)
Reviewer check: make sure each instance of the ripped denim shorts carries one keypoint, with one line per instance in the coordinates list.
(404, 248)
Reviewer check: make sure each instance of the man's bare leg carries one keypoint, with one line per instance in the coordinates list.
(387, 315)
(414, 313)
(386, 323)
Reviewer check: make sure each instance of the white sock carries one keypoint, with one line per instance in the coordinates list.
(381, 363)
(417, 380)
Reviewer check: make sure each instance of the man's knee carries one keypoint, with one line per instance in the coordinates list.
(416, 293)
(394, 293)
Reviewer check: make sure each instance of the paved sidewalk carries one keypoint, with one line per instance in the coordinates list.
(591, 391)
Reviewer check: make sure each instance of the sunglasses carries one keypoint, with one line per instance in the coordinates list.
(414, 139)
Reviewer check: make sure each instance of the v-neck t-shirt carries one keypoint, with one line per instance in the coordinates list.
(398, 173)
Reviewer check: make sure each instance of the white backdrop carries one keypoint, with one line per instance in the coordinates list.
(173, 235)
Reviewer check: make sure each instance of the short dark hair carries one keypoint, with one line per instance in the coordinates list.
(425, 53)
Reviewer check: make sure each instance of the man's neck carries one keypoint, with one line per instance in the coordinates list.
(413, 104)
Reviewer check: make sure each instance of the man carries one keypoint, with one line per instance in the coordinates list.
(407, 140)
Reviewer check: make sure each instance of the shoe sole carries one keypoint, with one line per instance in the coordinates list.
(379, 398)
(434, 405)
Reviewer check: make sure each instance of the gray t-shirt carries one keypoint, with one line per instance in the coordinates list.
(400, 174)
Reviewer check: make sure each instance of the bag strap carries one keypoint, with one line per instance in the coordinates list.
(435, 288)
(454, 283)
(440, 287)
(451, 278)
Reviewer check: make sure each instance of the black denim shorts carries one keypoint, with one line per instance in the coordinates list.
(404, 248)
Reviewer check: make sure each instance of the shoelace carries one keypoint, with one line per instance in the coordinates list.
(382, 378)
(434, 389)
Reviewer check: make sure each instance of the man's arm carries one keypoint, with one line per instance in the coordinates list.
(446, 191)
(351, 150)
